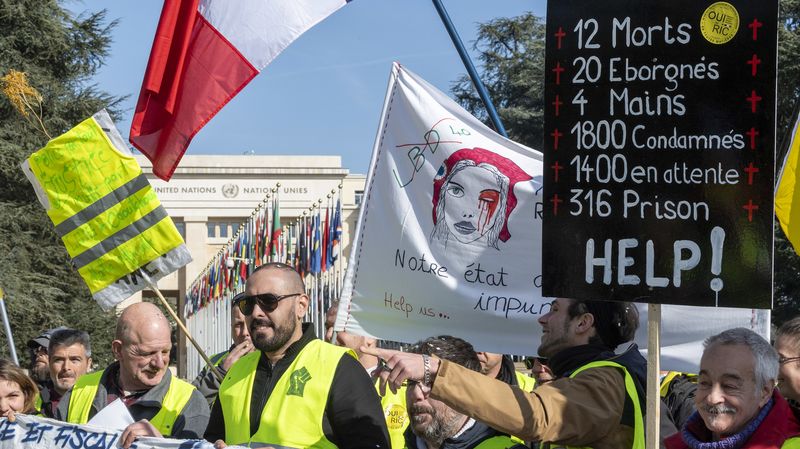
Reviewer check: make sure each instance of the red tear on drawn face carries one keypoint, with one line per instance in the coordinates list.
(487, 204)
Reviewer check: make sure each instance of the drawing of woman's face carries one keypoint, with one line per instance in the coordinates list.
(471, 202)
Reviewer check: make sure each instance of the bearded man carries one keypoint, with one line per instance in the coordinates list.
(294, 390)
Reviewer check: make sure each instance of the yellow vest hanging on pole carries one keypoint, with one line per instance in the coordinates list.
(116, 232)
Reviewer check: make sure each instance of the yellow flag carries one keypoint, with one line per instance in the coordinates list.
(110, 219)
(787, 196)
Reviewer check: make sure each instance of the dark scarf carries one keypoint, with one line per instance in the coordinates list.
(732, 442)
(570, 359)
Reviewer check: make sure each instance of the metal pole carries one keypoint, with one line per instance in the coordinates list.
(9, 336)
(473, 74)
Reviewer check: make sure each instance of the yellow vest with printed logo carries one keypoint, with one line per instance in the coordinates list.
(293, 414)
(630, 388)
(396, 414)
(85, 389)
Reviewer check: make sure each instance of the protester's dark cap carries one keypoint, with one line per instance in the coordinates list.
(43, 340)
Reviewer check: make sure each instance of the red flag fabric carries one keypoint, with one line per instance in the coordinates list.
(202, 56)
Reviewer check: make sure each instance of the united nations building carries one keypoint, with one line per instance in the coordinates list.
(209, 197)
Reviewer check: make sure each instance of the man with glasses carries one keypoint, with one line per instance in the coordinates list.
(787, 343)
(433, 423)
(295, 390)
(162, 405)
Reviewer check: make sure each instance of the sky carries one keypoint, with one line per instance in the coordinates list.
(323, 95)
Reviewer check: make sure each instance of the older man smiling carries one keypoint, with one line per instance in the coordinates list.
(737, 403)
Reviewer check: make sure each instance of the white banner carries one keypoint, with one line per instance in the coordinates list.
(34, 432)
(448, 240)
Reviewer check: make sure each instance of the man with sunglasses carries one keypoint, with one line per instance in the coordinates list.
(295, 390)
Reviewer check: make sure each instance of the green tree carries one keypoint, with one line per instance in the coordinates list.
(59, 53)
(511, 55)
(511, 52)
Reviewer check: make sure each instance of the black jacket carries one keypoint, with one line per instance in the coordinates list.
(353, 416)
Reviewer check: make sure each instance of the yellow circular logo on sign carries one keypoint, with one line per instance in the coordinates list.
(719, 23)
(396, 417)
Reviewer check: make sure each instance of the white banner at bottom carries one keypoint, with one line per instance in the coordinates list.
(44, 433)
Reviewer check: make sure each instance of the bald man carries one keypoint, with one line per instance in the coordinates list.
(295, 390)
(161, 405)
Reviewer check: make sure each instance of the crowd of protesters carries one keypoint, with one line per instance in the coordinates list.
(281, 385)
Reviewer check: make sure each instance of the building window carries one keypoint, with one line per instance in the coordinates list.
(212, 229)
(223, 230)
(359, 197)
(181, 226)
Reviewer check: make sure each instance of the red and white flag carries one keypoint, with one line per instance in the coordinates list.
(204, 53)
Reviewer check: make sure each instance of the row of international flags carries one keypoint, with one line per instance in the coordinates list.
(311, 244)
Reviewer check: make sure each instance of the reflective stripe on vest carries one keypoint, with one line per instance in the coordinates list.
(293, 414)
(630, 388)
(526, 383)
(396, 414)
(102, 205)
(85, 390)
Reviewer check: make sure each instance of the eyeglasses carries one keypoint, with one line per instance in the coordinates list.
(784, 360)
(268, 302)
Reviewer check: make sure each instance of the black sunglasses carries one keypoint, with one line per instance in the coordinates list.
(268, 302)
(529, 361)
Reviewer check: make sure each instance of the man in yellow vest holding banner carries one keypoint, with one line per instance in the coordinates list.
(596, 401)
(296, 391)
(161, 404)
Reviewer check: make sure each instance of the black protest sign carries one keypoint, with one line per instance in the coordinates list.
(659, 151)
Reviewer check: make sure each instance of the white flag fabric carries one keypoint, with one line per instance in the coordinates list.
(448, 239)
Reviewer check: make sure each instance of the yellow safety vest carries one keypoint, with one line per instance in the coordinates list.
(101, 204)
(293, 414)
(85, 389)
(630, 388)
(396, 413)
(667, 380)
(525, 382)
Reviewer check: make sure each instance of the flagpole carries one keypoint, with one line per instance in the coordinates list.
(11, 348)
(180, 324)
(473, 74)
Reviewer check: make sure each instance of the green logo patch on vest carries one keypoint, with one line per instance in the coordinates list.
(297, 382)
